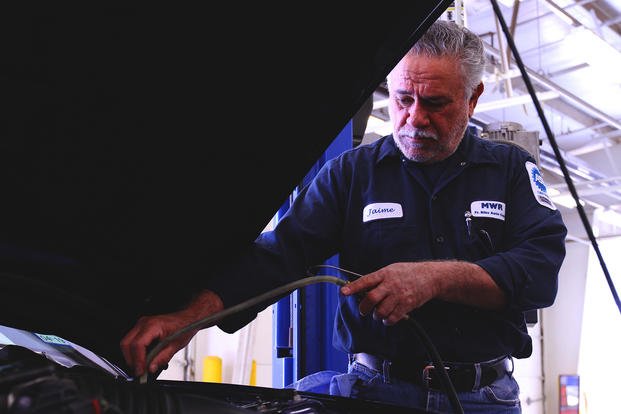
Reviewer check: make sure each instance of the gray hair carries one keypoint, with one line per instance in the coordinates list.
(446, 38)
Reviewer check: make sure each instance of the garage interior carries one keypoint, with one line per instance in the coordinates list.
(571, 51)
(142, 85)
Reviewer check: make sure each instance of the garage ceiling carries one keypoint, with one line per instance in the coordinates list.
(571, 51)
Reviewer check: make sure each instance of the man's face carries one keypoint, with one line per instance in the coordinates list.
(429, 107)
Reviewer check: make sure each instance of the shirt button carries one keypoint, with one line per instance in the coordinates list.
(439, 239)
(461, 164)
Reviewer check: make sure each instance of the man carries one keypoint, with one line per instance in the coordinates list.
(448, 229)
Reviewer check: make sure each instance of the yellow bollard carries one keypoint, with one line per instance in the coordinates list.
(212, 369)
(253, 373)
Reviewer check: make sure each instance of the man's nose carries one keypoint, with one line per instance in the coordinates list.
(418, 115)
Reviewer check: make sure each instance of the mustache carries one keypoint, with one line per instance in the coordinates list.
(417, 133)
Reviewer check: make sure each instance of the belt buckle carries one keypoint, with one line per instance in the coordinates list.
(427, 374)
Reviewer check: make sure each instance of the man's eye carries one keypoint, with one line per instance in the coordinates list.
(405, 101)
(434, 104)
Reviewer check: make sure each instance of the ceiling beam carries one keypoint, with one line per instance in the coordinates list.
(565, 94)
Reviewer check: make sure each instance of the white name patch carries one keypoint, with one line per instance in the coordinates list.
(539, 188)
(377, 211)
(491, 209)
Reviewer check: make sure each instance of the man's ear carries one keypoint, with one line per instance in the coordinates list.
(474, 98)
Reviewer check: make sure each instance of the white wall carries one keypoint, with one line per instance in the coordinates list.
(236, 351)
(557, 335)
(599, 364)
(562, 324)
(529, 374)
(573, 337)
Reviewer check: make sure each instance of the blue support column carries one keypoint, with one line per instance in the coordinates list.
(282, 351)
(308, 326)
(315, 311)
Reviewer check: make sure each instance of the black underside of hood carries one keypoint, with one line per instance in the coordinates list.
(144, 146)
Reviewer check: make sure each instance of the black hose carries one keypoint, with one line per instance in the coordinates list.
(426, 341)
(437, 363)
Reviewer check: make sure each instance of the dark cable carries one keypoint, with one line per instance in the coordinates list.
(427, 343)
(557, 152)
(437, 363)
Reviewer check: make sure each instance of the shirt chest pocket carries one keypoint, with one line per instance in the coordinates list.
(383, 242)
(483, 237)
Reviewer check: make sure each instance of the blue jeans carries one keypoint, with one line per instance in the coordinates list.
(500, 397)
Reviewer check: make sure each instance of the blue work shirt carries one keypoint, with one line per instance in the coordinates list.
(374, 207)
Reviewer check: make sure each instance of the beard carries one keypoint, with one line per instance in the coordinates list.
(426, 145)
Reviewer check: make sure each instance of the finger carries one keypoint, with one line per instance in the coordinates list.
(163, 357)
(376, 315)
(371, 300)
(385, 308)
(138, 349)
(398, 313)
(391, 319)
(126, 343)
(364, 283)
(388, 321)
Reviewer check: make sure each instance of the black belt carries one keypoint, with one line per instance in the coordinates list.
(463, 376)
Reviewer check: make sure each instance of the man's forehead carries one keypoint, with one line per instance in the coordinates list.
(414, 83)
(432, 73)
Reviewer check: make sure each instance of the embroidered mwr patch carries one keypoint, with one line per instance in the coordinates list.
(377, 211)
(539, 188)
(491, 209)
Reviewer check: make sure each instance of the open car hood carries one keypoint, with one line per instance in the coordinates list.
(143, 147)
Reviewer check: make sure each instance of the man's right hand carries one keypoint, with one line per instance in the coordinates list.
(158, 327)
